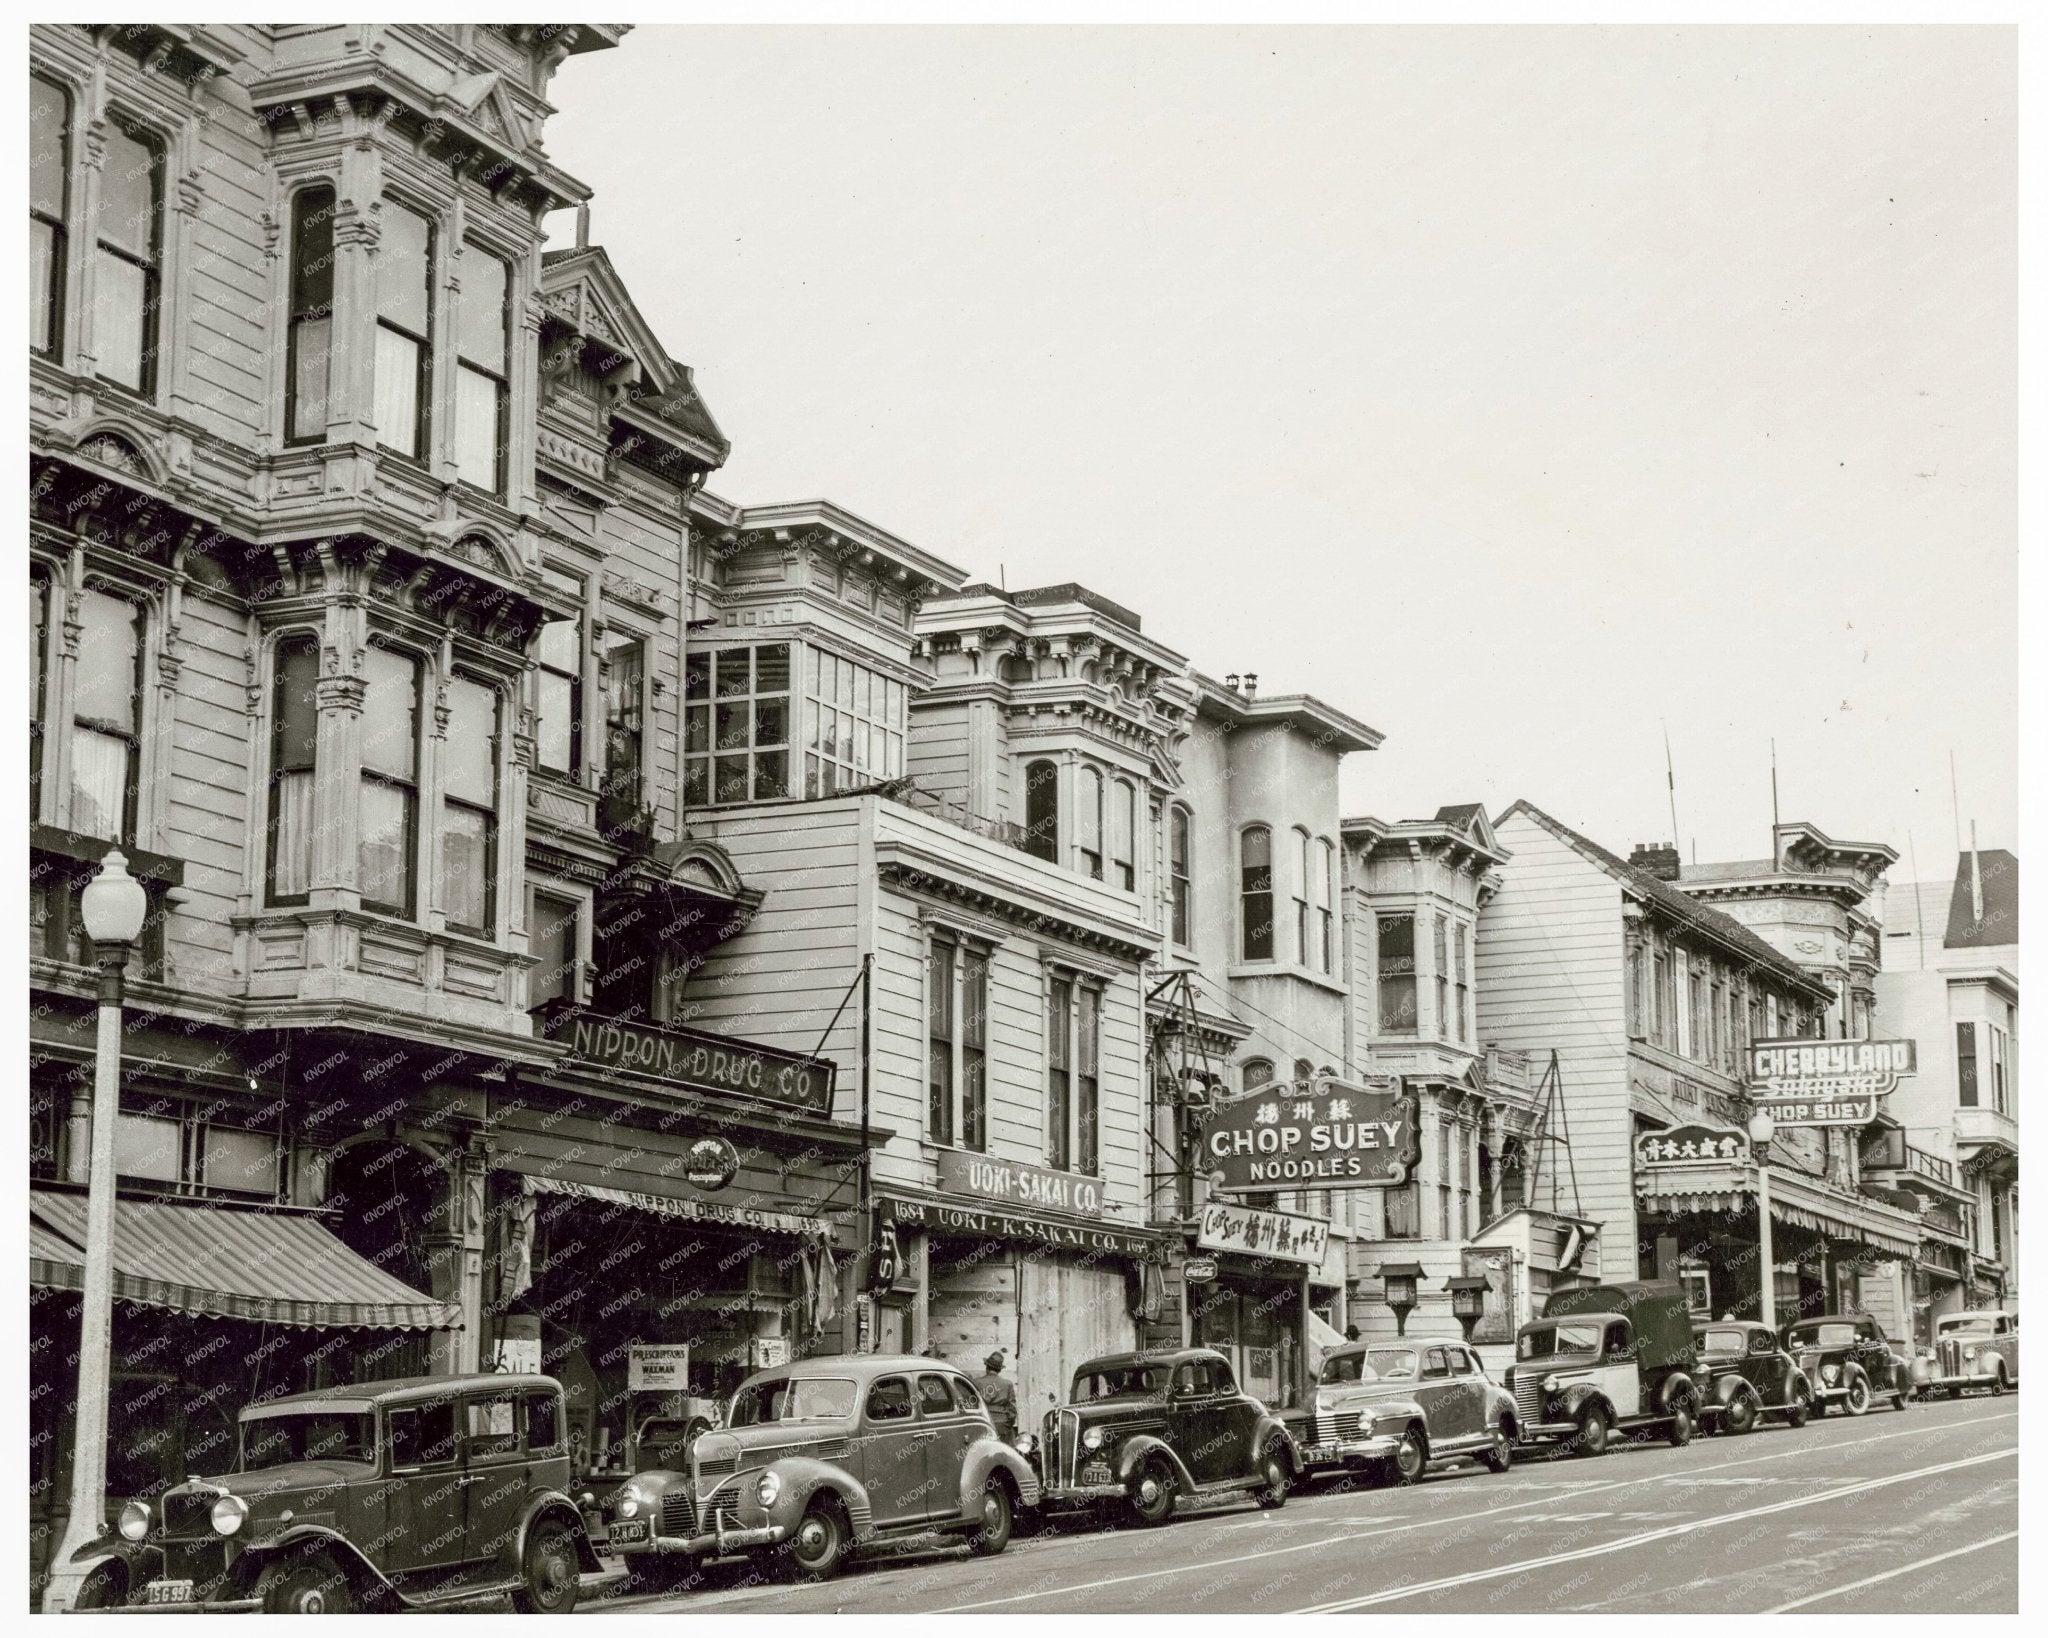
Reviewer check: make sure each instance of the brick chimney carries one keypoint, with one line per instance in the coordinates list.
(1660, 859)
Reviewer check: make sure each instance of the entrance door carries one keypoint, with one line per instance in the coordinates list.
(426, 1506)
(952, 1430)
(892, 1454)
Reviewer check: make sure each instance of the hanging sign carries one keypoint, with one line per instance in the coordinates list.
(1263, 1233)
(693, 1059)
(658, 1367)
(1692, 1146)
(712, 1163)
(1826, 1083)
(1322, 1133)
(1015, 1183)
(1198, 1270)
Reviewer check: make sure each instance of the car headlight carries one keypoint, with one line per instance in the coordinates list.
(228, 1514)
(1092, 1439)
(1831, 1374)
(769, 1488)
(1551, 1384)
(1969, 1353)
(630, 1499)
(1026, 1444)
(135, 1520)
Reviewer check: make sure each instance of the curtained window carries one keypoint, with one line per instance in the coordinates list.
(483, 347)
(294, 733)
(405, 320)
(469, 818)
(558, 731)
(127, 278)
(106, 716)
(309, 334)
(390, 781)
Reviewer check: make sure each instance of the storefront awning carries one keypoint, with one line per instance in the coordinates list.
(227, 1263)
(1796, 1200)
(693, 1211)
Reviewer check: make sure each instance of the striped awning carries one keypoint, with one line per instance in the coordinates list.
(1797, 1201)
(228, 1263)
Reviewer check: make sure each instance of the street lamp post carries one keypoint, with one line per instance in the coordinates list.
(1761, 1130)
(1400, 1281)
(1468, 1299)
(114, 906)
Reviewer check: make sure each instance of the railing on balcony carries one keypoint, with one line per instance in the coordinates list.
(1888, 1150)
(1006, 831)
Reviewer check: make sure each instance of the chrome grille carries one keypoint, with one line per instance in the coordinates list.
(1325, 1427)
(678, 1515)
(200, 1562)
(718, 1467)
(1069, 1445)
(1529, 1400)
(724, 1508)
(1950, 1353)
(190, 1513)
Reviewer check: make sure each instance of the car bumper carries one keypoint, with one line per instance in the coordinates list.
(1343, 1452)
(716, 1543)
(1969, 1379)
(1054, 1495)
(207, 1606)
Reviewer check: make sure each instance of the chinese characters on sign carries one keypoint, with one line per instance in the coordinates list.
(1692, 1146)
(1326, 1134)
(1263, 1233)
(1826, 1083)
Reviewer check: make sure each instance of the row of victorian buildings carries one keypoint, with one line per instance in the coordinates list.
(593, 917)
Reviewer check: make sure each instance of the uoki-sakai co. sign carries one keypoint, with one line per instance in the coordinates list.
(1325, 1134)
(1826, 1083)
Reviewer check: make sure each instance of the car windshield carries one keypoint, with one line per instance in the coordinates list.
(1831, 1334)
(1121, 1382)
(1543, 1341)
(1374, 1365)
(1973, 1325)
(309, 1436)
(792, 1399)
(1723, 1342)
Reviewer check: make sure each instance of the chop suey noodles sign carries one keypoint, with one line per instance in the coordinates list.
(1325, 1134)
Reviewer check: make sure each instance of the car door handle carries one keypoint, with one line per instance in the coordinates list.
(922, 1438)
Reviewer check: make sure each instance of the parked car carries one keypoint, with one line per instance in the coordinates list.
(1745, 1376)
(422, 1493)
(1849, 1362)
(1606, 1359)
(1143, 1430)
(827, 1457)
(1392, 1408)
(1978, 1348)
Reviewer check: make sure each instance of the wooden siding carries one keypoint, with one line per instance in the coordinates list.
(210, 823)
(1549, 974)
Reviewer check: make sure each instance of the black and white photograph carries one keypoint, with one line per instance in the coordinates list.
(617, 1024)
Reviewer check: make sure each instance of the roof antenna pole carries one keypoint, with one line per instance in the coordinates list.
(1670, 783)
(1954, 801)
(1976, 878)
(1919, 919)
(1774, 786)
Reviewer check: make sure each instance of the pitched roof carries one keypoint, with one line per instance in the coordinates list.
(1680, 906)
(1459, 813)
(1999, 872)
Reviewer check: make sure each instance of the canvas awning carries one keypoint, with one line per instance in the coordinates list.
(228, 1263)
(1796, 1200)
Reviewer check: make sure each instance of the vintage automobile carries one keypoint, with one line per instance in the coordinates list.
(1392, 1408)
(1604, 1359)
(1745, 1376)
(1977, 1348)
(1849, 1363)
(420, 1493)
(824, 1458)
(1142, 1431)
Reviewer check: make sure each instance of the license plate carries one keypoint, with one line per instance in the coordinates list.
(629, 1530)
(1319, 1453)
(169, 1592)
(1096, 1473)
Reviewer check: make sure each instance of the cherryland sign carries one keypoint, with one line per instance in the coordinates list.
(1826, 1083)
(1324, 1134)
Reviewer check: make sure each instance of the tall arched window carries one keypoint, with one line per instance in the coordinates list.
(1042, 811)
(309, 329)
(294, 730)
(1257, 1072)
(1088, 822)
(1123, 831)
(1255, 893)
(1180, 859)
(1323, 890)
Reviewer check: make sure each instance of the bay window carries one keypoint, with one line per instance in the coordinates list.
(49, 210)
(106, 739)
(956, 1035)
(1966, 1065)
(1302, 870)
(736, 725)
(309, 330)
(552, 938)
(1255, 893)
(482, 351)
(294, 732)
(38, 662)
(1123, 828)
(469, 819)
(1325, 891)
(404, 360)
(624, 721)
(558, 729)
(1397, 975)
(1180, 854)
(1461, 953)
(390, 781)
(856, 726)
(1073, 1029)
(127, 276)
(1042, 811)
(1088, 822)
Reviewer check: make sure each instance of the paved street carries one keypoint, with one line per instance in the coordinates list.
(1914, 1512)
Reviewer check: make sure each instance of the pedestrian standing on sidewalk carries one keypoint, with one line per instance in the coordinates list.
(1000, 1397)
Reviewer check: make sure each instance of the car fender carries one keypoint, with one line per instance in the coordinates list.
(140, 1561)
(1678, 1385)
(1396, 1412)
(547, 1504)
(1135, 1451)
(804, 1478)
(258, 1556)
(1268, 1428)
(1578, 1395)
(1725, 1390)
(987, 1456)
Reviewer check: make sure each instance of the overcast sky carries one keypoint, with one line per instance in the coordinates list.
(1521, 392)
